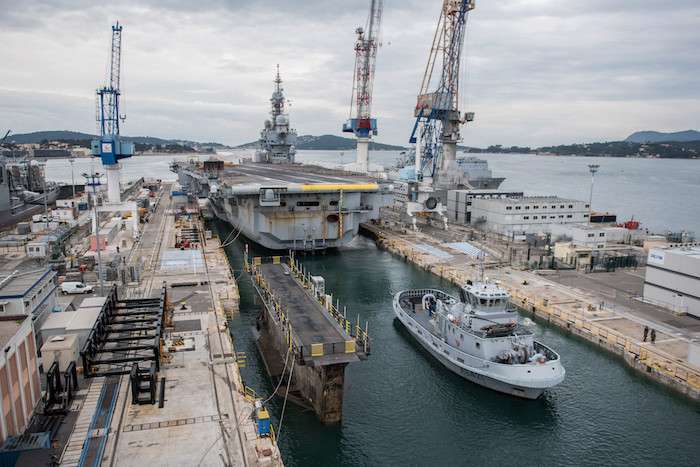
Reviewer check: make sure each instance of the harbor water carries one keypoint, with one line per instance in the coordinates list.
(402, 407)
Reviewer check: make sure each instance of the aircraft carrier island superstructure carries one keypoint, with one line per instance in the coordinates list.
(287, 206)
(282, 205)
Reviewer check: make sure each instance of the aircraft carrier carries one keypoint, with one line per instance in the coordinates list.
(282, 205)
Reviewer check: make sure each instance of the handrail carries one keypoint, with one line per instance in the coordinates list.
(646, 355)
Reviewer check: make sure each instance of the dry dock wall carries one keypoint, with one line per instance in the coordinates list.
(321, 385)
(658, 367)
(650, 364)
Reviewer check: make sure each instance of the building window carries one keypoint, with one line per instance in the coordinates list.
(534, 217)
(544, 207)
(585, 216)
(601, 246)
(527, 207)
(586, 206)
(561, 216)
(517, 208)
(602, 234)
(554, 206)
(509, 208)
(569, 216)
(571, 206)
(552, 217)
(526, 217)
(590, 235)
(562, 206)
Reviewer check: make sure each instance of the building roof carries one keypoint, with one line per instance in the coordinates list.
(19, 284)
(539, 199)
(681, 249)
(7, 330)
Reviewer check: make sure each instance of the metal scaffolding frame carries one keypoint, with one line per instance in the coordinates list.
(126, 332)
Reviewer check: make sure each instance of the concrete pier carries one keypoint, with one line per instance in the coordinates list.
(570, 300)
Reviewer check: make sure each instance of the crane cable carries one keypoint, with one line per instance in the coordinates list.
(279, 427)
(227, 242)
(286, 359)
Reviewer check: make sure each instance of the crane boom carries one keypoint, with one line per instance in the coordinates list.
(110, 147)
(437, 117)
(363, 81)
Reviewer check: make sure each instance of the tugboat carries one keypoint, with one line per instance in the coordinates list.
(477, 336)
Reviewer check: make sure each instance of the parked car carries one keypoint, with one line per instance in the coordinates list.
(75, 287)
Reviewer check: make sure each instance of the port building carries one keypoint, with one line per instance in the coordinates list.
(29, 293)
(523, 215)
(673, 277)
(19, 376)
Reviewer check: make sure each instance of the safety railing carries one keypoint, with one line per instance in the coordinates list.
(353, 330)
(644, 354)
(359, 335)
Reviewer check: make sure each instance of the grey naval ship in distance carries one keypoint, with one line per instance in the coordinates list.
(282, 205)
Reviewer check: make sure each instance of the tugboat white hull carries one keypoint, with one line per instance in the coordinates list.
(528, 380)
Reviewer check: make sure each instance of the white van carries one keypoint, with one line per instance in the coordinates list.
(75, 287)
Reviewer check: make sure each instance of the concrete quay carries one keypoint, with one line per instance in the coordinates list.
(599, 307)
(205, 414)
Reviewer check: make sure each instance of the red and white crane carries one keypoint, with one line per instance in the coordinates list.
(363, 81)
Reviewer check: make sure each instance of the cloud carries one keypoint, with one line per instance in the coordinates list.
(537, 72)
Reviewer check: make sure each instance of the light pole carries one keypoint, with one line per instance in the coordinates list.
(593, 169)
(72, 178)
(93, 180)
(46, 204)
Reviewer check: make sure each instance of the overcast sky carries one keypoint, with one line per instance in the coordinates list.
(538, 72)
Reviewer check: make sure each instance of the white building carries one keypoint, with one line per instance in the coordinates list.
(460, 202)
(527, 214)
(673, 277)
(593, 237)
(30, 293)
(624, 235)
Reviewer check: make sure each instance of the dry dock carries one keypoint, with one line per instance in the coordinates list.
(598, 313)
(300, 325)
(200, 413)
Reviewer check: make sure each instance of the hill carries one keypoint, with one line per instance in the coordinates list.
(330, 143)
(675, 150)
(83, 139)
(658, 137)
(38, 136)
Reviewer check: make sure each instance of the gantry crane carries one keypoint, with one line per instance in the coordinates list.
(363, 126)
(436, 131)
(110, 146)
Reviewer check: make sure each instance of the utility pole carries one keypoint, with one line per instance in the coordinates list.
(593, 168)
(72, 178)
(93, 180)
(46, 203)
